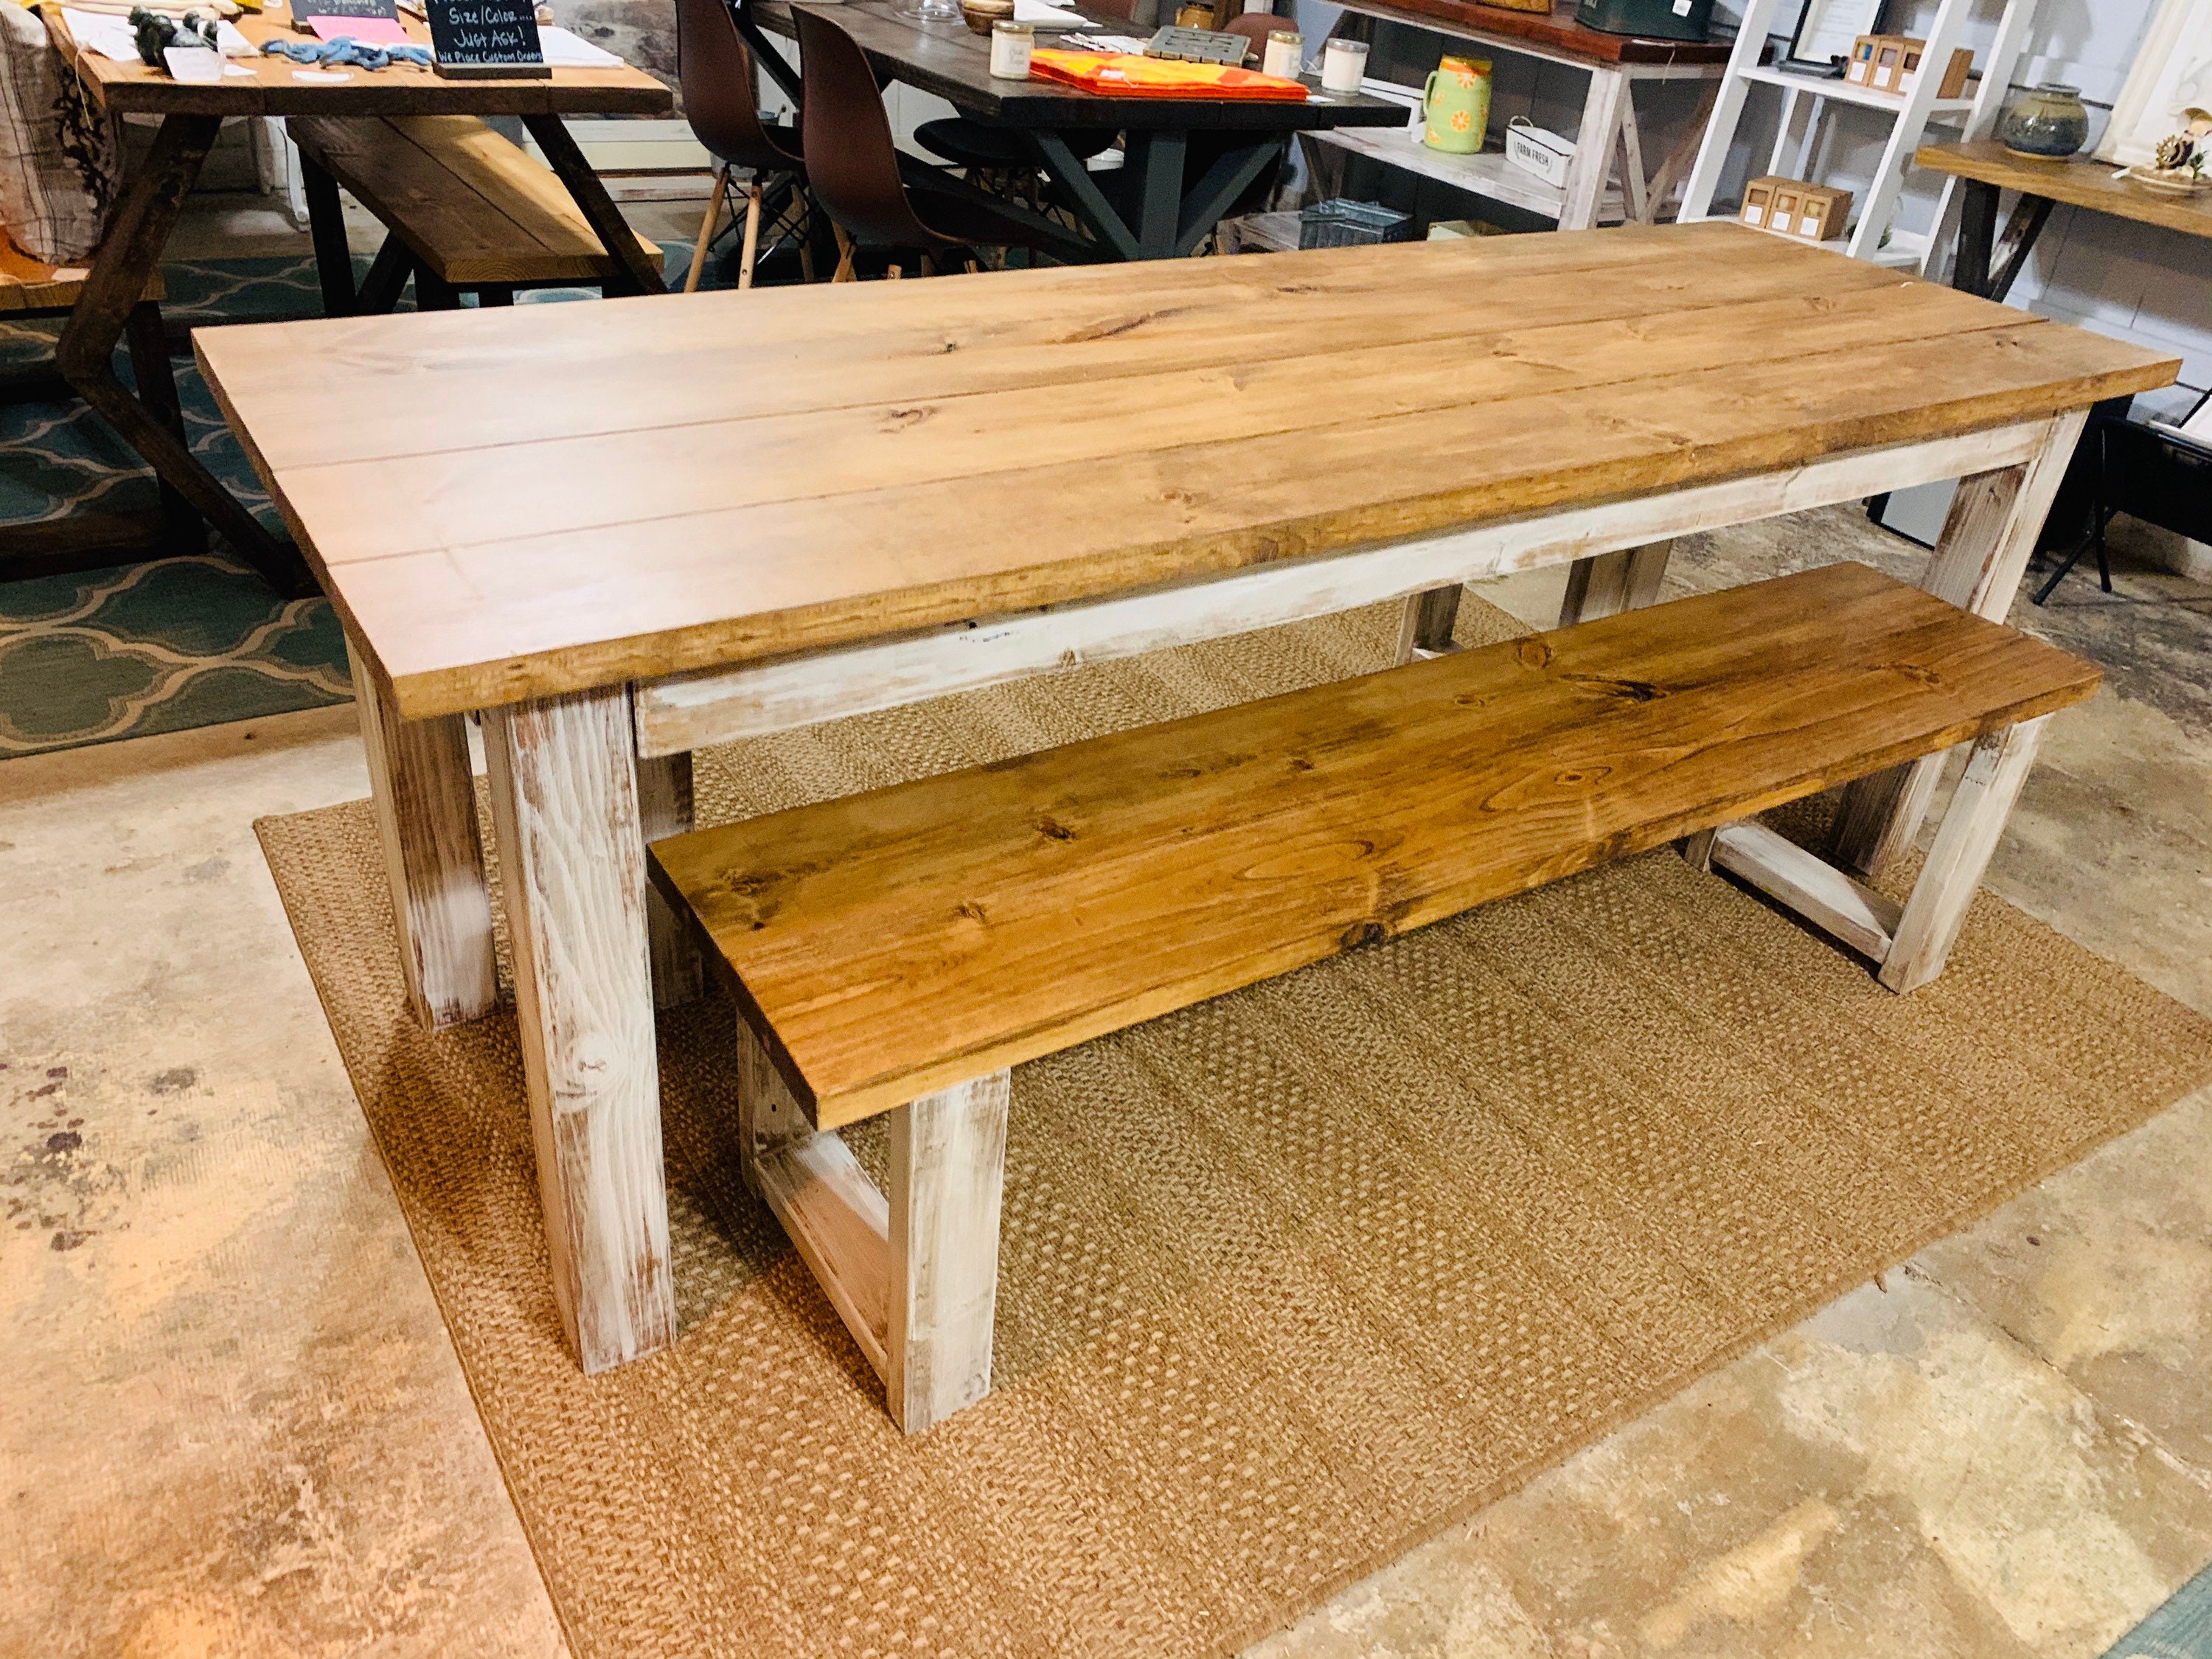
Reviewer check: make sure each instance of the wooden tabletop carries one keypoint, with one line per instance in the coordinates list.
(526, 501)
(399, 90)
(2080, 181)
(954, 62)
(1555, 31)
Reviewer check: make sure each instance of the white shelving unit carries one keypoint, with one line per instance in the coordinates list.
(1805, 101)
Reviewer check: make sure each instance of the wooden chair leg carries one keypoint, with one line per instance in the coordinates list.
(749, 255)
(707, 228)
(947, 1168)
(1971, 826)
(847, 250)
(1610, 583)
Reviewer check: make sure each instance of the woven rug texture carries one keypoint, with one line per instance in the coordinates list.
(1289, 1281)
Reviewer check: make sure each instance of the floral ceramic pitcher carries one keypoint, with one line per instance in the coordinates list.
(1455, 105)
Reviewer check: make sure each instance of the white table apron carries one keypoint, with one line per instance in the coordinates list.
(579, 783)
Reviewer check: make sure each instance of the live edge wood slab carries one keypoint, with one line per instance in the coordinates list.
(623, 529)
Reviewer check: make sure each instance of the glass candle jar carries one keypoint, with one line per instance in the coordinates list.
(1343, 65)
(1286, 55)
(1010, 46)
(2049, 123)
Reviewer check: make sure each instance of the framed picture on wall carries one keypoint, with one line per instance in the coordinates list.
(2172, 75)
(1827, 29)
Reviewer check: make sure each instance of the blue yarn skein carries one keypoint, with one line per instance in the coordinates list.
(345, 51)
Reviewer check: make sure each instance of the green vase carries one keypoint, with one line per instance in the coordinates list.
(1456, 105)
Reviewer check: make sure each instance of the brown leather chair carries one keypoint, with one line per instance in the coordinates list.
(853, 164)
(722, 104)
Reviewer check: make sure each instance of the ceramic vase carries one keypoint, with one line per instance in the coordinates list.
(2050, 123)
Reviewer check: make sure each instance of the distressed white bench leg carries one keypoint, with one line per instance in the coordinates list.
(1980, 560)
(1610, 583)
(1426, 629)
(1971, 826)
(571, 856)
(915, 1276)
(948, 1163)
(1698, 850)
(425, 800)
(664, 806)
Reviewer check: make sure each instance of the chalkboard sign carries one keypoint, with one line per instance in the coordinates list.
(304, 9)
(482, 38)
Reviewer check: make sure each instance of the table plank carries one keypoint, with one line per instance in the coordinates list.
(330, 390)
(400, 89)
(448, 498)
(754, 523)
(905, 939)
(2079, 181)
(1555, 31)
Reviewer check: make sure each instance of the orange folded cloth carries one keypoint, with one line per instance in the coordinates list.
(1127, 75)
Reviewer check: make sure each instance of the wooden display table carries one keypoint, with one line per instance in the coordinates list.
(1988, 169)
(621, 531)
(1608, 131)
(191, 114)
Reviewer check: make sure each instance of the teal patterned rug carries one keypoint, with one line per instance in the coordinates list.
(176, 643)
(102, 654)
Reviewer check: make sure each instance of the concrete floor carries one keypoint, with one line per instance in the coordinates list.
(231, 1421)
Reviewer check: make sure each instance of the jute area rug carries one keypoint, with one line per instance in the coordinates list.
(1291, 1281)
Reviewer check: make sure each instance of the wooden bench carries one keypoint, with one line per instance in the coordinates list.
(468, 211)
(899, 951)
(80, 541)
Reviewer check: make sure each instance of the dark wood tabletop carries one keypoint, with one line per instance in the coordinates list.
(952, 61)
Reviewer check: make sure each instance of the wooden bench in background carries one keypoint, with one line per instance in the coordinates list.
(83, 541)
(468, 211)
(900, 950)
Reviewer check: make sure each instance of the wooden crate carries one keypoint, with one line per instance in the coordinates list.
(1891, 63)
(1794, 208)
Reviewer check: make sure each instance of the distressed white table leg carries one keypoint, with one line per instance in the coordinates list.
(1971, 827)
(571, 859)
(1609, 583)
(1429, 619)
(425, 799)
(1597, 141)
(1979, 564)
(1697, 849)
(947, 1166)
(664, 806)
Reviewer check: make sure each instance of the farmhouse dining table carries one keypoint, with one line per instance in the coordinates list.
(191, 113)
(620, 532)
(1165, 211)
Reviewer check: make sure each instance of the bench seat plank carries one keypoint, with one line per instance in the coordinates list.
(471, 204)
(888, 944)
(28, 284)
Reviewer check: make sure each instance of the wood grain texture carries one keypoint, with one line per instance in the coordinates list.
(400, 89)
(564, 803)
(652, 523)
(2080, 182)
(678, 715)
(468, 202)
(28, 284)
(948, 1154)
(906, 939)
(426, 816)
(1973, 824)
